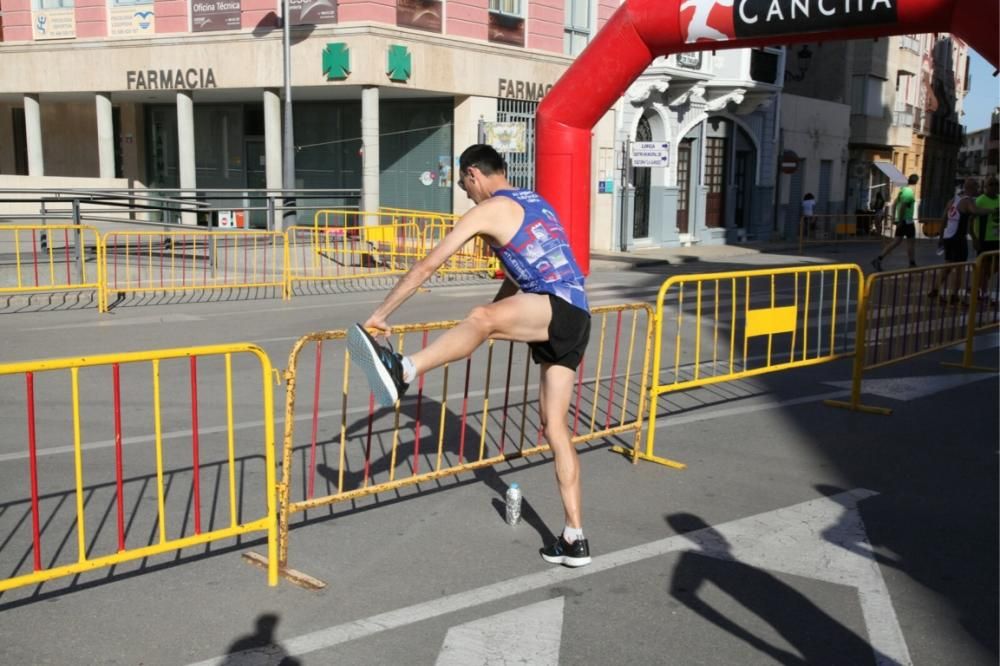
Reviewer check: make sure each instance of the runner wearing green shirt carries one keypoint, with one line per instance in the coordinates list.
(986, 234)
(986, 230)
(902, 217)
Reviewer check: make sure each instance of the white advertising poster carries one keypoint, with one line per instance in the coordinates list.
(506, 137)
(53, 23)
(133, 21)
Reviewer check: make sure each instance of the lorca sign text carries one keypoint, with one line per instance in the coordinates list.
(723, 20)
(170, 79)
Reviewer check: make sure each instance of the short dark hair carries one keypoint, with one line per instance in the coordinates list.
(484, 157)
(912, 180)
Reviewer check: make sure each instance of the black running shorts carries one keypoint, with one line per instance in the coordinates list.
(956, 249)
(906, 230)
(569, 333)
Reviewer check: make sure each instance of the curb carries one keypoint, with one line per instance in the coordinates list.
(676, 257)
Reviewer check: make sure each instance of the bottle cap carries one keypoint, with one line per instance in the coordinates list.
(514, 486)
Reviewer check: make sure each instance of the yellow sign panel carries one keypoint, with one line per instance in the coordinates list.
(767, 321)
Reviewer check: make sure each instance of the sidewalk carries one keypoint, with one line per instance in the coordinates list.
(646, 257)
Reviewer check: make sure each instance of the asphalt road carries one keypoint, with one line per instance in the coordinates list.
(798, 533)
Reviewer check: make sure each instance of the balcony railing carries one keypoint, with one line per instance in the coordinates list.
(903, 115)
(910, 43)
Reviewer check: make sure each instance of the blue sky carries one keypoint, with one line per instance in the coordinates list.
(984, 94)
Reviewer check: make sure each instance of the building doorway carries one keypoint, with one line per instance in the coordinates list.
(641, 180)
(683, 184)
(742, 188)
(256, 171)
(715, 181)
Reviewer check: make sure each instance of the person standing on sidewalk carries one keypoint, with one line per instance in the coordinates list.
(542, 302)
(809, 216)
(905, 228)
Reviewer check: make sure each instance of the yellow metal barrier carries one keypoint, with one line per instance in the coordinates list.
(912, 312)
(106, 399)
(347, 244)
(473, 414)
(405, 213)
(318, 254)
(154, 261)
(728, 326)
(840, 228)
(50, 257)
(984, 307)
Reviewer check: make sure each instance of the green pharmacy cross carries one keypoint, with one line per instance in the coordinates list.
(400, 64)
(336, 61)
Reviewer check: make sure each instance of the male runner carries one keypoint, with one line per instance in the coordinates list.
(541, 302)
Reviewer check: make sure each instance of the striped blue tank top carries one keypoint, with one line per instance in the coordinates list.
(538, 258)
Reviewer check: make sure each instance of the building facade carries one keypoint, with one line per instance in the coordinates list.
(714, 117)
(905, 99)
(814, 140)
(973, 155)
(979, 156)
(183, 94)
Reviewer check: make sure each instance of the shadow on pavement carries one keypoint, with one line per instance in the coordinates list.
(259, 648)
(815, 635)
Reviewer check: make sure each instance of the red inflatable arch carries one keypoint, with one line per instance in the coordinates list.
(641, 30)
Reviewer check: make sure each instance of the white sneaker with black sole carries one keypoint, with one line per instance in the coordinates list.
(382, 366)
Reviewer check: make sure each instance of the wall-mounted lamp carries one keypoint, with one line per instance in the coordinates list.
(804, 57)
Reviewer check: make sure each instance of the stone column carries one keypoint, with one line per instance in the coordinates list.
(105, 136)
(469, 111)
(272, 139)
(185, 149)
(33, 138)
(369, 147)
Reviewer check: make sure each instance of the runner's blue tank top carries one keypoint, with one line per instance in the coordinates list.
(538, 258)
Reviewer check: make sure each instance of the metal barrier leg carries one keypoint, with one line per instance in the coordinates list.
(860, 348)
(650, 441)
(970, 335)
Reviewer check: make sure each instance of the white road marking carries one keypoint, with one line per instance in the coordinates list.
(823, 539)
(663, 420)
(288, 308)
(914, 388)
(527, 635)
(174, 318)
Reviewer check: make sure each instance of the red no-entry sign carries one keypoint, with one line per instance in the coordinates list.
(789, 162)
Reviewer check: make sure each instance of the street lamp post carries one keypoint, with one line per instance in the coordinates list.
(288, 150)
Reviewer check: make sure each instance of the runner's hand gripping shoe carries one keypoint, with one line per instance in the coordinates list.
(382, 366)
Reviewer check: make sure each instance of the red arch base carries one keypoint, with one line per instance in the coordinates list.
(641, 30)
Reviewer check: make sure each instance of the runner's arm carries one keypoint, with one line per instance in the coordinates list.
(467, 226)
(969, 206)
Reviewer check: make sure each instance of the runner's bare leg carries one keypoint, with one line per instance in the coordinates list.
(521, 317)
(555, 393)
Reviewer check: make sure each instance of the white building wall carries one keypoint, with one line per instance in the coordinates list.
(815, 130)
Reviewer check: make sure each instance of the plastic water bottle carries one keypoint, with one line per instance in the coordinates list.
(513, 504)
